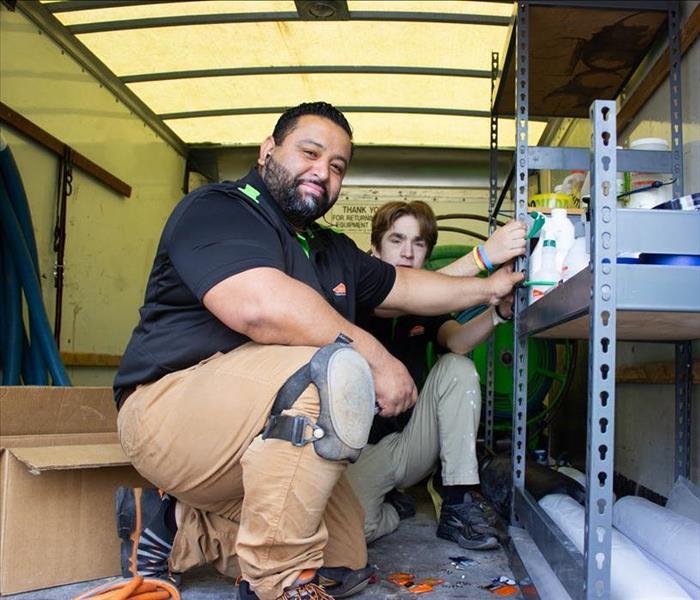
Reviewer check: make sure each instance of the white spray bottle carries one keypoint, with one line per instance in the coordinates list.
(546, 276)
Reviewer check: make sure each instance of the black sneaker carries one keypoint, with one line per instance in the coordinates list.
(146, 539)
(466, 525)
(336, 582)
(404, 504)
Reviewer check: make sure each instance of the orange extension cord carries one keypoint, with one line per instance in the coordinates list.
(135, 588)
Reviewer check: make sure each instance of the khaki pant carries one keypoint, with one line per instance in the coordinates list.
(269, 506)
(444, 425)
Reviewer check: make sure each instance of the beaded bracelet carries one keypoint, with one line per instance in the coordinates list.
(484, 259)
(477, 259)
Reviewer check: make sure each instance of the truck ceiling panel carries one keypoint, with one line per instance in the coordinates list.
(459, 93)
(296, 43)
(208, 7)
(184, 72)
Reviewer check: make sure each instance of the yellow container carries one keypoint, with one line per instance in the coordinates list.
(553, 200)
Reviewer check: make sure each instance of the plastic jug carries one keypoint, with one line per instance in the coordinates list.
(648, 198)
(576, 259)
(546, 276)
(559, 228)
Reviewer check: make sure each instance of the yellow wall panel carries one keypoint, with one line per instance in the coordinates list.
(110, 239)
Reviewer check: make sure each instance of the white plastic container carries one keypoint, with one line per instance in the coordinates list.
(556, 227)
(653, 197)
(546, 277)
(576, 259)
(561, 230)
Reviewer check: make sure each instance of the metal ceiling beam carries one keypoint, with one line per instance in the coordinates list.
(37, 13)
(308, 69)
(262, 17)
(72, 5)
(265, 110)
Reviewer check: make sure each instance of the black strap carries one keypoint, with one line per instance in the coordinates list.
(292, 389)
(289, 428)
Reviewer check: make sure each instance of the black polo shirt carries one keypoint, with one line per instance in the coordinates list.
(215, 232)
(407, 338)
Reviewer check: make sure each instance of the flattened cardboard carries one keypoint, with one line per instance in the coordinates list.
(59, 458)
(60, 464)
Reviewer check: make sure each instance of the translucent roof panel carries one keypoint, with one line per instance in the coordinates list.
(365, 89)
(182, 48)
(220, 71)
(172, 9)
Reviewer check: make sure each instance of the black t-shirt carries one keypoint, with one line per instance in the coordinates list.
(220, 230)
(407, 338)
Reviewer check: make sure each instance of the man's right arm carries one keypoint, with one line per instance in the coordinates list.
(270, 307)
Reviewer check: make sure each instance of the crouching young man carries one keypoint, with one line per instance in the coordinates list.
(443, 425)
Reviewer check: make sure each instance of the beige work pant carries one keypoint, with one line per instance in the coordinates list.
(274, 508)
(443, 425)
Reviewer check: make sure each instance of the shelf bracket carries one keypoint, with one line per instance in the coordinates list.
(522, 57)
(600, 448)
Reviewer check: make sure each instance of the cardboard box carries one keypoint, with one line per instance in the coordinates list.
(60, 464)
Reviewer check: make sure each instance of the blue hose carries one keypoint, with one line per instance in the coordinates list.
(41, 330)
(35, 368)
(12, 334)
(18, 198)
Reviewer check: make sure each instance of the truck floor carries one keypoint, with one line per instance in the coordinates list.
(413, 548)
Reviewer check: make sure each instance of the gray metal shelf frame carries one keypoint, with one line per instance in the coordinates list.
(601, 292)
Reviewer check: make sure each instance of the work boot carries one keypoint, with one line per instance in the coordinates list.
(326, 583)
(341, 582)
(304, 591)
(466, 525)
(404, 504)
(146, 538)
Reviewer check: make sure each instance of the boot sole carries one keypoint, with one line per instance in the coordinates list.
(462, 542)
(352, 584)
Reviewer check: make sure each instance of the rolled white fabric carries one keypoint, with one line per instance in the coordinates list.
(666, 535)
(691, 589)
(632, 575)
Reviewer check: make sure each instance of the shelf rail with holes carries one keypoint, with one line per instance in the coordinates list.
(605, 303)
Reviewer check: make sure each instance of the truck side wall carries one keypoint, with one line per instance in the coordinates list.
(110, 239)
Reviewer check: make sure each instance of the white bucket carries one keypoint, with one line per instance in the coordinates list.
(653, 197)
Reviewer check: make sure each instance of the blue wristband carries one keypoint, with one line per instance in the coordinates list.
(485, 259)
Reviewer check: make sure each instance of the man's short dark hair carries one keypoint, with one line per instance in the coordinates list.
(289, 118)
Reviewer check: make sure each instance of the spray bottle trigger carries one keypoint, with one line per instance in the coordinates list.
(538, 220)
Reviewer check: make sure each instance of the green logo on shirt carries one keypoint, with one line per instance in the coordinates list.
(251, 192)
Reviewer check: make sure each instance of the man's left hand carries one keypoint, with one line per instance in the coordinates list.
(506, 242)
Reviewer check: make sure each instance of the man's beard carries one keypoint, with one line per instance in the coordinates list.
(300, 208)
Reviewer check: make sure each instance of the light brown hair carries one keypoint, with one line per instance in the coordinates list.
(388, 213)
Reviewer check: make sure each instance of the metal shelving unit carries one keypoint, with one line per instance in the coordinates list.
(607, 302)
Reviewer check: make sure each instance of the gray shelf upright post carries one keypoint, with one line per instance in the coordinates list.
(519, 450)
(683, 403)
(601, 353)
(683, 353)
(493, 197)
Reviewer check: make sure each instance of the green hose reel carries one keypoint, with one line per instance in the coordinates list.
(542, 358)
